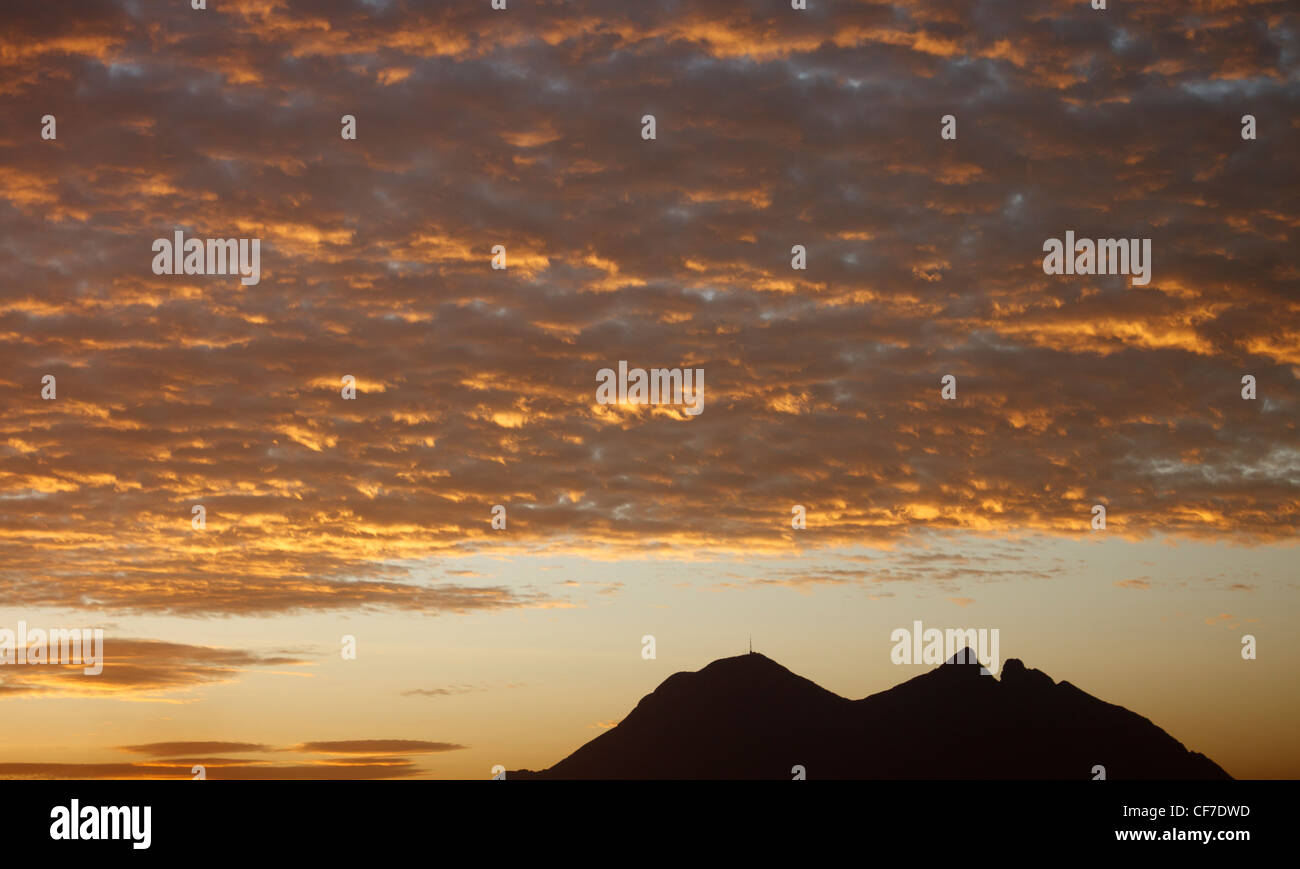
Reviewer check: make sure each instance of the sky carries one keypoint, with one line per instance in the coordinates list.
(371, 518)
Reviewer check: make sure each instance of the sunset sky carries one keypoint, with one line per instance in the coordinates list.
(476, 387)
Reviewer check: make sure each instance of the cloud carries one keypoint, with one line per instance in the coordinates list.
(822, 385)
(215, 769)
(928, 561)
(166, 749)
(438, 692)
(135, 669)
(341, 759)
(377, 746)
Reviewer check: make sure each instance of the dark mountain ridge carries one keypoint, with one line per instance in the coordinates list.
(748, 717)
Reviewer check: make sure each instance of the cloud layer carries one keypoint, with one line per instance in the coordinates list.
(476, 387)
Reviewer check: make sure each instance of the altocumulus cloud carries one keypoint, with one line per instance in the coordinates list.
(775, 129)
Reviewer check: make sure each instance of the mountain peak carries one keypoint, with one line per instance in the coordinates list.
(749, 661)
(965, 657)
(1017, 675)
(747, 679)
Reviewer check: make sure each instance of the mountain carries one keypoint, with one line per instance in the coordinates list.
(750, 718)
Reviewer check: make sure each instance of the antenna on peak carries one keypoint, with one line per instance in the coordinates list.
(751, 644)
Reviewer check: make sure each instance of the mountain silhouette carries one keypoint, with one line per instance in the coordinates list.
(748, 717)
